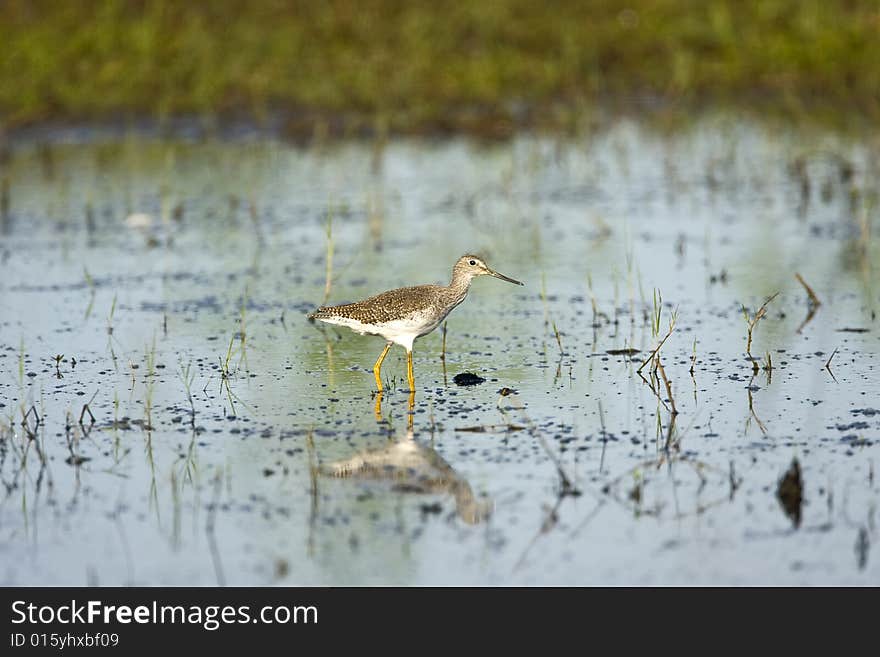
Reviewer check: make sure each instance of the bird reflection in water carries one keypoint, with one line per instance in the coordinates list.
(412, 467)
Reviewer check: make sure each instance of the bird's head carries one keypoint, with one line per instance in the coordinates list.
(469, 266)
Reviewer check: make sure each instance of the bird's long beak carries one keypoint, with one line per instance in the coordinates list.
(494, 273)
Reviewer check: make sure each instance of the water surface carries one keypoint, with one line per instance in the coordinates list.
(169, 267)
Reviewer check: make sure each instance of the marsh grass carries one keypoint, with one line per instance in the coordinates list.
(187, 376)
(328, 279)
(752, 413)
(242, 331)
(566, 489)
(386, 66)
(4, 201)
(751, 323)
(254, 214)
(662, 371)
(593, 303)
(313, 489)
(813, 298)
(110, 336)
(558, 338)
(643, 478)
(828, 363)
(72, 437)
(115, 427)
(655, 315)
(90, 283)
(87, 409)
(653, 357)
(227, 374)
(657, 372)
(210, 528)
(149, 384)
(549, 320)
(21, 363)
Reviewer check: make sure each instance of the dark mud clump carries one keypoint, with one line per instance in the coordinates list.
(468, 379)
(790, 493)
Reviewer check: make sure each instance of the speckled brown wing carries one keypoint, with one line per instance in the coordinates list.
(387, 306)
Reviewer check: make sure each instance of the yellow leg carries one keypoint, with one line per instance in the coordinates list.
(377, 368)
(409, 372)
(377, 410)
(411, 413)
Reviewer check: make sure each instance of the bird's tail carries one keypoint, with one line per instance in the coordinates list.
(318, 313)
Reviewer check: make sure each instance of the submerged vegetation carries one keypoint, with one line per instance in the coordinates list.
(431, 66)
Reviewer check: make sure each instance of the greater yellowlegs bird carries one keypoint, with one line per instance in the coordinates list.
(402, 315)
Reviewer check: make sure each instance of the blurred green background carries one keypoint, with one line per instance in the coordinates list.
(413, 66)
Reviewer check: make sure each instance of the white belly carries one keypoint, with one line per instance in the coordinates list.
(400, 331)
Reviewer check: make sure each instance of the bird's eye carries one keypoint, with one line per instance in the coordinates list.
(472, 263)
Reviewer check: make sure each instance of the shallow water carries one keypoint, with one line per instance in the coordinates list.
(155, 262)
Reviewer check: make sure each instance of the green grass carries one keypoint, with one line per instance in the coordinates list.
(431, 66)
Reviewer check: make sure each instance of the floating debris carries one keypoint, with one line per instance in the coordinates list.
(467, 379)
(484, 428)
(790, 493)
(863, 546)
